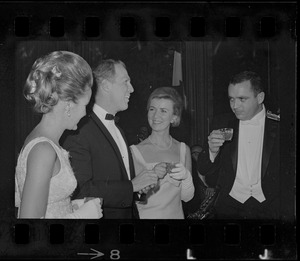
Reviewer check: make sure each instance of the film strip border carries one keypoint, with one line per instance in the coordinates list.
(164, 240)
(266, 27)
(106, 239)
(148, 22)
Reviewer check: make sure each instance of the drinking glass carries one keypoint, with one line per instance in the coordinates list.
(227, 133)
(170, 166)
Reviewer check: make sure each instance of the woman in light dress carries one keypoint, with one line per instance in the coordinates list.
(167, 157)
(59, 86)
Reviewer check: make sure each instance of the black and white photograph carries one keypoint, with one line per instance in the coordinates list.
(161, 131)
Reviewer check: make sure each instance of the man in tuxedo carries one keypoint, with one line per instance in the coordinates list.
(248, 166)
(100, 157)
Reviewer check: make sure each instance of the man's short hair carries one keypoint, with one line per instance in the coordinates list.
(106, 70)
(253, 77)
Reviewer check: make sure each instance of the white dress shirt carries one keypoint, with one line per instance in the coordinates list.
(115, 133)
(250, 144)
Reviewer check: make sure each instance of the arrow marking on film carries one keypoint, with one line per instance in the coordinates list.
(95, 255)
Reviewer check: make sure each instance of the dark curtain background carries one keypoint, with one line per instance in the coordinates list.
(198, 87)
(207, 68)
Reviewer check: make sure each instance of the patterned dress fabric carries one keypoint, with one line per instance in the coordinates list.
(62, 184)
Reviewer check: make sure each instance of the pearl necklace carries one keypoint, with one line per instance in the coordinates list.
(155, 145)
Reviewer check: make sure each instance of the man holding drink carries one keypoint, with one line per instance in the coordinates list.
(246, 156)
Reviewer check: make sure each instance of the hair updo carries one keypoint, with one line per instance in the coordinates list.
(60, 75)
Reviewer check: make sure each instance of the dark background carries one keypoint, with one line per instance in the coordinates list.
(150, 65)
(208, 63)
(149, 60)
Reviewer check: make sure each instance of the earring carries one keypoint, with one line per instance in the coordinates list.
(68, 110)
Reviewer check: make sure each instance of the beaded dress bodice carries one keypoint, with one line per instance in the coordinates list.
(62, 184)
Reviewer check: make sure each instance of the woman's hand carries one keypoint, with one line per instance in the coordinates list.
(160, 169)
(179, 172)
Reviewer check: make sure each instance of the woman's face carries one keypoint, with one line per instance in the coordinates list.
(78, 110)
(161, 114)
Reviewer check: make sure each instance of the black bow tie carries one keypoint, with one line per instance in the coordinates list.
(111, 117)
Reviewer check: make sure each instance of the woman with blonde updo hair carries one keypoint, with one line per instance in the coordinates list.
(165, 156)
(59, 87)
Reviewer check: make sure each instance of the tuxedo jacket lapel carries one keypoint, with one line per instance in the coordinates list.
(269, 138)
(131, 166)
(135, 211)
(111, 140)
(234, 144)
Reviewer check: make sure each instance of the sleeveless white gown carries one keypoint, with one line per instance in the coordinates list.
(61, 188)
